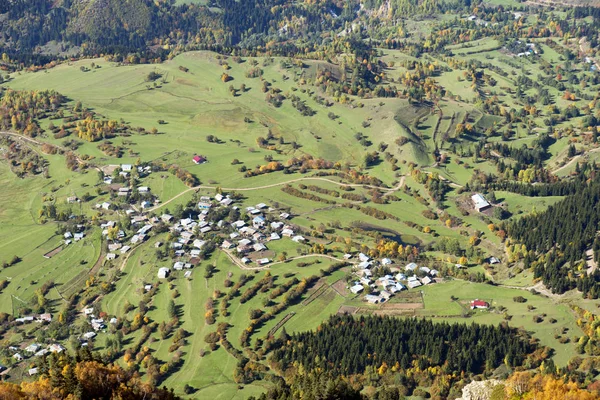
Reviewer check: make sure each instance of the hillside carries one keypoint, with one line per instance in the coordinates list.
(282, 199)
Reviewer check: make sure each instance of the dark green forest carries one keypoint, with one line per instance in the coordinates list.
(558, 238)
(345, 345)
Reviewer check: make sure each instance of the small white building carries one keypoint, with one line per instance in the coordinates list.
(356, 289)
(163, 272)
(410, 267)
(479, 202)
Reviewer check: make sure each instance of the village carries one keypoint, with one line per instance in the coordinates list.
(244, 233)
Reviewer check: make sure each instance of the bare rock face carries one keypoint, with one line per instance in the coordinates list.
(479, 390)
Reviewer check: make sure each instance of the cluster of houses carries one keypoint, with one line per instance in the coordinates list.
(246, 241)
(384, 287)
(143, 225)
(126, 171)
(252, 238)
(46, 317)
(34, 350)
(74, 236)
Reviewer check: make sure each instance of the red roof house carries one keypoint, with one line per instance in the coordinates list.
(479, 304)
(199, 159)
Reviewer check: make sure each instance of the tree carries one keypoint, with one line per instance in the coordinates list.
(171, 308)
(113, 233)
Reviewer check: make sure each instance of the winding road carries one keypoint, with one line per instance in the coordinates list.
(385, 189)
(574, 159)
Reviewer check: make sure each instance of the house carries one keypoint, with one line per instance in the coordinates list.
(166, 218)
(72, 199)
(226, 244)
(68, 235)
(46, 317)
(105, 205)
(125, 249)
(205, 229)
(479, 304)
(199, 159)
(259, 247)
(347, 256)
(372, 299)
(33, 348)
(41, 353)
(126, 167)
(198, 243)
(274, 236)
(260, 206)
(145, 204)
(78, 236)
(410, 267)
(242, 249)
(89, 335)
(258, 221)
(238, 224)
(426, 280)
(226, 201)
(263, 261)
(203, 205)
(138, 238)
(425, 269)
(56, 348)
(245, 260)
(356, 289)
(114, 246)
(413, 282)
(32, 371)
(248, 231)
(493, 260)
(186, 221)
(386, 295)
(479, 202)
(97, 324)
(287, 232)
(163, 272)
(363, 257)
(143, 189)
(245, 242)
(298, 238)
(386, 261)
(284, 215)
(18, 357)
(364, 272)
(187, 274)
(398, 287)
(178, 266)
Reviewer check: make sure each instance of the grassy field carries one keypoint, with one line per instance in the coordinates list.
(438, 305)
